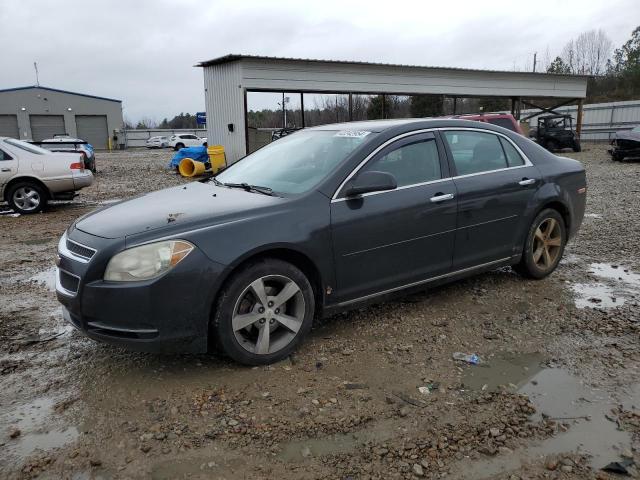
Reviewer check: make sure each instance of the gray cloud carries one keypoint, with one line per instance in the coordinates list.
(143, 52)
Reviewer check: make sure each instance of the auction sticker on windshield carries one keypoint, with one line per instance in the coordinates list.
(352, 133)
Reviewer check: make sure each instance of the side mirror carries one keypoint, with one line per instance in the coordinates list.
(371, 182)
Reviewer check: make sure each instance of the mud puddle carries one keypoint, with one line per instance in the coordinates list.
(565, 398)
(46, 278)
(618, 285)
(300, 450)
(33, 420)
(503, 370)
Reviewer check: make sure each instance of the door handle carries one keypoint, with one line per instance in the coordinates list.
(5, 170)
(527, 181)
(441, 197)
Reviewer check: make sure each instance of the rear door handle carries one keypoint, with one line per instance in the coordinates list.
(5, 170)
(441, 197)
(527, 181)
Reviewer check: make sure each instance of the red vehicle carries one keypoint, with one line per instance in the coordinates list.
(504, 120)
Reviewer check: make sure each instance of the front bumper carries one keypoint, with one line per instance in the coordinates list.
(169, 314)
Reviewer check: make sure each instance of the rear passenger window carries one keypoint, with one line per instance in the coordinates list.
(475, 152)
(513, 157)
(4, 156)
(410, 164)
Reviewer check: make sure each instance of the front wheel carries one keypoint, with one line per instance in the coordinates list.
(178, 146)
(263, 312)
(544, 245)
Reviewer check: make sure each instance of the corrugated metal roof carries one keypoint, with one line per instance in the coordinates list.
(29, 87)
(235, 57)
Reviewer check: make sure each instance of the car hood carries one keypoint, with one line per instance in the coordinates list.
(177, 208)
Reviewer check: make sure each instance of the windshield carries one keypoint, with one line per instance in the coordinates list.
(295, 163)
(26, 146)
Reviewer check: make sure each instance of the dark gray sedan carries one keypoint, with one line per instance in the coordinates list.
(318, 221)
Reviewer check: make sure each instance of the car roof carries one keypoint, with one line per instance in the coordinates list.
(406, 124)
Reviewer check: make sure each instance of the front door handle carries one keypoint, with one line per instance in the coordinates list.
(527, 181)
(441, 197)
(5, 170)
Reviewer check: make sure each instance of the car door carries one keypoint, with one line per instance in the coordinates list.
(8, 167)
(495, 183)
(385, 240)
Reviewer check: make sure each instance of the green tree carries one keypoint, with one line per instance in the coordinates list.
(375, 108)
(558, 66)
(427, 105)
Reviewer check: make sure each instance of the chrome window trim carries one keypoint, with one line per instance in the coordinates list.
(527, 162)
(420, 282)
(60, 289)
(375, 152)
(64, 251)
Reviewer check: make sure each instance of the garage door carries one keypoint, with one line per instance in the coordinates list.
(93, 129)
(9, 126)
(46, 126)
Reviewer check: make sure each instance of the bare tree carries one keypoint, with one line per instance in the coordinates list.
(588, 53)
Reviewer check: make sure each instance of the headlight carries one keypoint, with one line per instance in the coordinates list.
(146, 261)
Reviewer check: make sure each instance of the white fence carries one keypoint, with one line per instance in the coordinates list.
(600, 121)
(138, 138)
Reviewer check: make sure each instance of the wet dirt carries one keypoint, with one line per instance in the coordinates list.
(348, 403)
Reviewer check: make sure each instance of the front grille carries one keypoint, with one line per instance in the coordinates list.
(69, 282)
(80, 250)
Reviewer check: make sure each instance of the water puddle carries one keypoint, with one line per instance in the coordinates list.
(617, 286)
(503, 370)
(299, 450)
(597, 295)
(31, 420)
(615, 273)
(565, 398)
(46, 278)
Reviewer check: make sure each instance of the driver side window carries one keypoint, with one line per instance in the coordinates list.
(410, 164)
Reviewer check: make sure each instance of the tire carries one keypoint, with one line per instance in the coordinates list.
(543, 266)
(27, 198)
(237, 324)
(552, 145)
(178, 146)
(576, 146)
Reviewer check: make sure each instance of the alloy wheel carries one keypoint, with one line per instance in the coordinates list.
(547, 243)
(268, 314)
(27, 198)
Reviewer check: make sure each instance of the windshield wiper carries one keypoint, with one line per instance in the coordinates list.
(250, 188)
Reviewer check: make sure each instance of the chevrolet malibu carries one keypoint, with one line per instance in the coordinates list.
(318, 221)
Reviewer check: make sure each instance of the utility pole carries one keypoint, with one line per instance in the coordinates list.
(535, 58)
(35, 66)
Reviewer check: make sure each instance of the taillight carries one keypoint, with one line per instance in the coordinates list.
(77, 166)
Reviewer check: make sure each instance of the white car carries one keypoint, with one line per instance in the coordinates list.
(182, 140)
(157, 142)
(30, 176)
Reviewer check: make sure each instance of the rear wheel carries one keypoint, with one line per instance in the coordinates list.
(27, 197)
(552, 145)
(576, 146)
(263, 312)
(544, 245)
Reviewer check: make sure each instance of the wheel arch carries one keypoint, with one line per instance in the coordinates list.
(284, 253)
(561, 208)
(25, 179)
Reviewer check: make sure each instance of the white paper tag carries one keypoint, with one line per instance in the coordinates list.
(352, 133)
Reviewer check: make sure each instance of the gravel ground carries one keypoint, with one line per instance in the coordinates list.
(373, 393)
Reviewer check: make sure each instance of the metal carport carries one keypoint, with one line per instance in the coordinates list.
(228, 79)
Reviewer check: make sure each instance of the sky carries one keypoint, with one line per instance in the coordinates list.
(144, 52)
